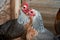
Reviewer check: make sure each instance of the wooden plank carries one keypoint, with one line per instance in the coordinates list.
(17, 8)
(12, 3)
(46, 3)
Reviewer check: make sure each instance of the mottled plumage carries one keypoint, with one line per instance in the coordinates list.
(37, 21)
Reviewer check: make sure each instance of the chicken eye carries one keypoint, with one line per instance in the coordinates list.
(23, 7)
(31, 11)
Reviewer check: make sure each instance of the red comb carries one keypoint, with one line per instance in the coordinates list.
(25, 3)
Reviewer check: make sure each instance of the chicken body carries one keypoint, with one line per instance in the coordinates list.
(37, 21)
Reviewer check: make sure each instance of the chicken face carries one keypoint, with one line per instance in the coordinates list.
(25, 7)
(31, 12)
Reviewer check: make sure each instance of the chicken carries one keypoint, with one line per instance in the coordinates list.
(37, 21)
(32, 21)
